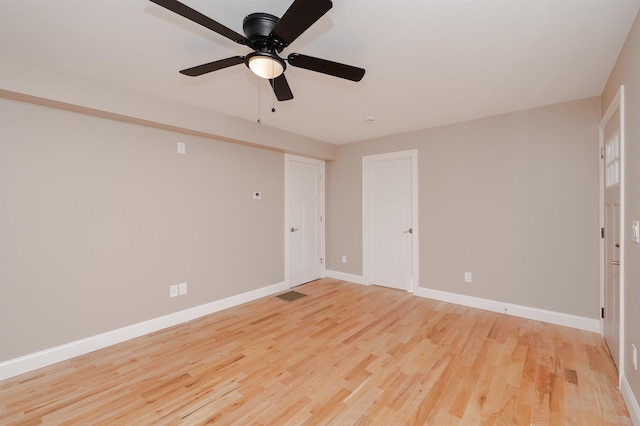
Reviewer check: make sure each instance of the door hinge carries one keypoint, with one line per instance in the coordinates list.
(320, 218)
(602, 313)
(601, 232)
(321, 260)
(602, 153)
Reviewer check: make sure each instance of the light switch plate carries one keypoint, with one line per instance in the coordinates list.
(635, 229)
(257, 195)
(182, 148)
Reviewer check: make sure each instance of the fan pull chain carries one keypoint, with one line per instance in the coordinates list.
(273, 101)
(259, 87)
(273, 94)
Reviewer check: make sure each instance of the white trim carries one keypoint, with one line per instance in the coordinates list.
(558, 318)
(601, 174)
(356, 279)
(30, 362)
(623, 236)
(367, 161)
(630, 400)
(617, 104)
(287, 160)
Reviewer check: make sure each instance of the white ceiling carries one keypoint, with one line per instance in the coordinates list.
(428, 62)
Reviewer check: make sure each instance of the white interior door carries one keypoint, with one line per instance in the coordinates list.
(391, 207)
(304, 227)
(612, 235)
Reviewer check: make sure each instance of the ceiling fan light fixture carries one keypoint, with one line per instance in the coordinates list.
(265, 65)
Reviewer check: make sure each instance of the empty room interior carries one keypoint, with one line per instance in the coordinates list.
(432, 219)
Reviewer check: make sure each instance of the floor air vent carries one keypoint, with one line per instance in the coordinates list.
(290, 296)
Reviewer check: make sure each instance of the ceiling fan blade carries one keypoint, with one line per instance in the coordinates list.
(197, 17)
(324, 66)
(281, 88)
(213, 66)
(300, 16)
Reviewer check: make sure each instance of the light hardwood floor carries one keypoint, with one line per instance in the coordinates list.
(344, 355)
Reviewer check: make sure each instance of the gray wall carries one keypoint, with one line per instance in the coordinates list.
(627, 72)
(512, 199)
(99, 217)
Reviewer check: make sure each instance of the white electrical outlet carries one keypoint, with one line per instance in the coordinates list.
(467, 277)
(182, 288)
(634, 356)
(344, 258)
(182, 148)
(173, 290)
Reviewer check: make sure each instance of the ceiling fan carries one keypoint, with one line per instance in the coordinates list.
(268, 35)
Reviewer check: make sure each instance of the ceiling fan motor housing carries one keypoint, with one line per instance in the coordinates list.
(257, 28)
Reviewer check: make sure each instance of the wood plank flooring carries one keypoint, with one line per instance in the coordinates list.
(344, 355)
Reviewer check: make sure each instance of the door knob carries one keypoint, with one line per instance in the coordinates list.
(409, 231)
(294, 229)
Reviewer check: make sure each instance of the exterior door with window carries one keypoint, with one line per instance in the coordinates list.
(611, 156)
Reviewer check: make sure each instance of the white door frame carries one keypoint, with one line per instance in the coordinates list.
(617, 104)
(288, 158)
(367, 254)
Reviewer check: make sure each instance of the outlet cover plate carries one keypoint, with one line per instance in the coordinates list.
(173, 290)
(182, 288)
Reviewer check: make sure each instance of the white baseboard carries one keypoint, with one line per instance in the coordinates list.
(630, 400)
(356, 279)
(567, 320)
(26, 363)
